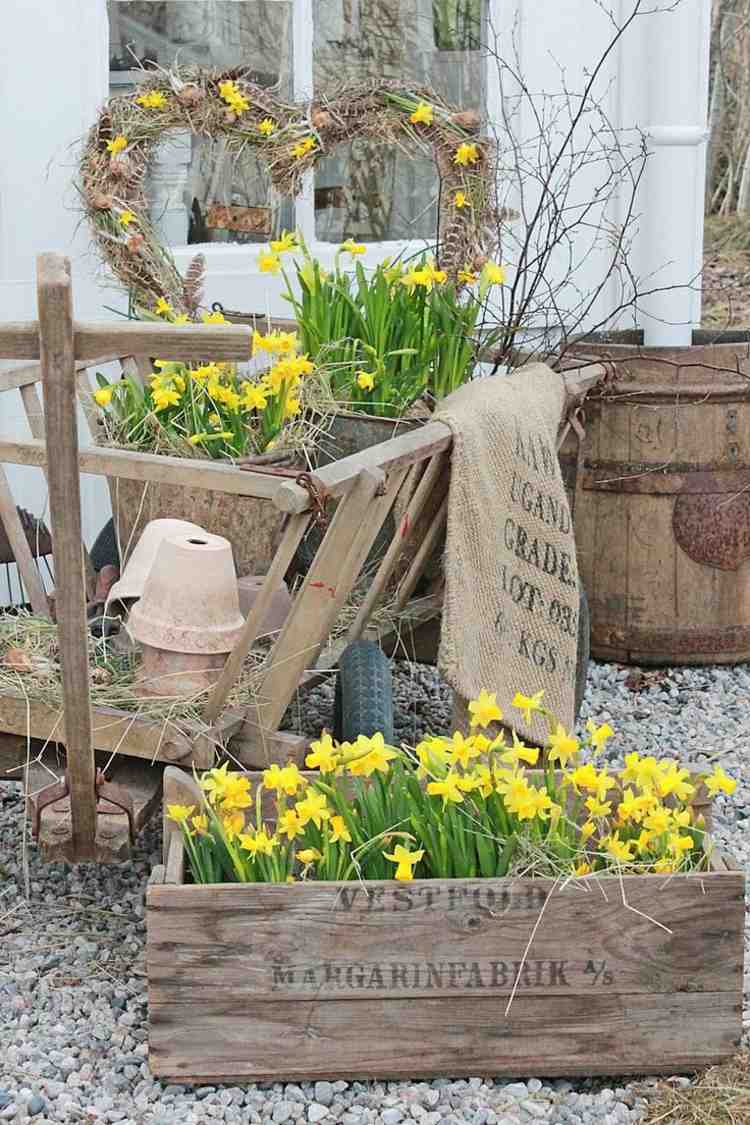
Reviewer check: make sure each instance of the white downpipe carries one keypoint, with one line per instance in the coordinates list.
(671, 226)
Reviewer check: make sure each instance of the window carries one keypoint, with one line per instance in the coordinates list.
(362, 190)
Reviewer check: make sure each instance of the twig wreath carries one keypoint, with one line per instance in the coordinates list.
(290, 139)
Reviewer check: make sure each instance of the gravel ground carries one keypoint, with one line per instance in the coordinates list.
(72, 980)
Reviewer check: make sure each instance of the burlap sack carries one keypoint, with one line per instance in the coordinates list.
(510, 614)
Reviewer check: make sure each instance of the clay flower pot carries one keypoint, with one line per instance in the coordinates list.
(189, 602)
(177, 675)
(129, 586)
(281, 602)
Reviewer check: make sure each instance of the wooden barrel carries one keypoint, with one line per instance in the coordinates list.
(662, 504)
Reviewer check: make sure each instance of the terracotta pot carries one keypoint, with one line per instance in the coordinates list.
(130, 585)
(281, 602)
(190, 601)
(177, 675)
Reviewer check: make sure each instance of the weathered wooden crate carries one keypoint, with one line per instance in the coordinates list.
(443, 977)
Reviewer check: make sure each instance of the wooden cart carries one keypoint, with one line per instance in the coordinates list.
(80, 814)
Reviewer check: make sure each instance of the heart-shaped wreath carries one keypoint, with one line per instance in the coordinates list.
(290, 139)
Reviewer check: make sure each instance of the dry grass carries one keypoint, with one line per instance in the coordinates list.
(720, 1096)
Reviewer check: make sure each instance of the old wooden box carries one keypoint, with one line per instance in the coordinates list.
(456, 977)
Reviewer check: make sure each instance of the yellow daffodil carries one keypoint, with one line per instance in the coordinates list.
(492, 274)
(644, 841)
(125, 218)
(292, 408)
(117, 145)
(356, 249)
(672, 780)
(365, 381)
(658, 820)
(406, 862)
(467, 277)
(275, 343)
(422, 115)
(664, 866)
(462, 750)
(285, 244)
(232, 823)
(466, 153)
(215, 317)
(267, 127)
(213, 781)
(597, 807)
(582, 869)
(200, 824)
(460, 199)
(621, 850)
(289, 824)
(162, 307)
(528, 704)
(234, 98)
(598, 735)
(562, 746)
(259, 843)
(520, 752)
(180, 813)
(370, 755)
(268, 262)
(284, 779)
(339, 831)
(253, 396)
(433, 755)
(154, 99)
(313, 807)
(103, 396)
(163, 399)
(719, 782)
(484, 710)
(632, 807)
(236, 793)
(302, 147)
(678, 844)
(309, 855)
(323, 755)
(448, 789)
(588, 828)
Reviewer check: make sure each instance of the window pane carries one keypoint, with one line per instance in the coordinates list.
(193, 178)
(371, 192)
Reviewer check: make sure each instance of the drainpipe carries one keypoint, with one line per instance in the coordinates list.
(675, 62)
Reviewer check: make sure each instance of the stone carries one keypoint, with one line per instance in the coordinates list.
(35, 1105)
(316, 1112)
(281, 1112)
(324, 1093)
(392, 1116)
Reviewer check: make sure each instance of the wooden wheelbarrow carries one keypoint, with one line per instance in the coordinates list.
(79, 812)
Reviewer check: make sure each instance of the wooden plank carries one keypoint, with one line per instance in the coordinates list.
(180, 788)
(16, 377)
(19, 545)
(174, 868)
(398, 452)
(285, 553)
(151, 467)
(59, 384)
(213, 1041)
(265, 748)
(115, 731)
(422, 557)
(178, 341)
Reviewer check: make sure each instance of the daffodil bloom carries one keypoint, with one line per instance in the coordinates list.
(162, 307)
(323, 755)
(720, 782)
(216, 435)
(258, 843)
(103, 396)
(484, 710)
(365, 381)
(233, 823)
(154, 99)
(658, 820)
(493, 274)
(268, 262)
(621, 850)
(371, 755)
(200, 824)
(356, 249)
(406, 862)
(117, 145)
(562, 746)
(293, 408)
(673, 780)
(234, 97)
(253, 396)
(309, 855)
(213, 781)
(164, 399)
(597, 807)
(433, 755)
(632, 807)
(644, 841)
(460, 199)
(267, 126)
(582, 869)
(448, 789)
(125, 218)
(462, 750)
(180, 813)
(678, 844)
(588, 828)
(466, 153)
(528, 703)
(520, 752)
(302, 147)
(284, 779)
(236, 793)
(339, 831)
(313, 807)
(204, 372)
(664, 866)
(467, 277)
(286, 243)
(598, 735)
(215, 317)
(422, 115)
(275, 343)
(289, 824)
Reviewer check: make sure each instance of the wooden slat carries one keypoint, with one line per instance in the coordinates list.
(19, 545)
(112, 730)
(422, 556)
(151, 467)
(251, 629)
(174, 868)
(266, 748)
(16, 377)
(59, 384)
(172, 341)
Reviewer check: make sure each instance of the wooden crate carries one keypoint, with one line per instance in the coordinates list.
(640, 974)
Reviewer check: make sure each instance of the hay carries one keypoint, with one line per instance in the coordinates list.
(720, 1096)
(111, 184)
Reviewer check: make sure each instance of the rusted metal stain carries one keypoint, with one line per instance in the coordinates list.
(713, 530)
(670, 640)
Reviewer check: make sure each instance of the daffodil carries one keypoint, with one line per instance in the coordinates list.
(674, 780)
(621, 850)
(232, 823)
(215, 317)
(117, 144)
(254, 396)
(163, 399)
(405, 860)
(582, 869)
(234, 98)
(422, 115)
(180, 813)
(268, 262)
(289, 824)
(484, 710)
(275, 343)
(162, 307)
(292, 408)
(588, 828)
(466, 153)
(460, 199)
(658, 820)
(154, 99)
(125, 218)
(720, 782)
(678, 844)
(462, 750)
(520, 752)
(597, 807)
(259, 843)
(528, 704)
(448, 788)
(284, 779)
(103, 396)
(598, 735)
(339, 831)
(302, 147)
(313, 807)
(492, 274)
(200, 824)
(562, 746)
(356, 249)
(370, 755)
(286, 243)
(467, 277)
(365, 380)
(236, 793)
(322, 755)
(267, 127)
(309, 855)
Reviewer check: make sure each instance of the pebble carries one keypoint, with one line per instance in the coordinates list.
(79, 1059)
